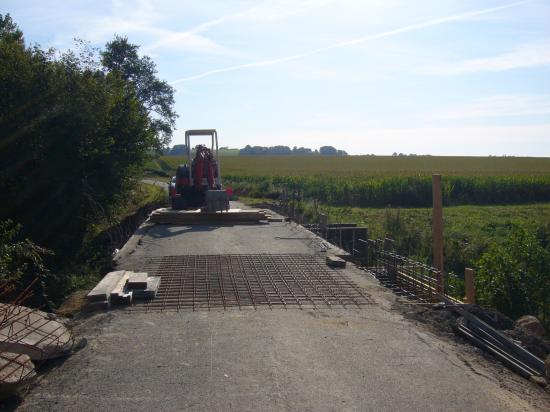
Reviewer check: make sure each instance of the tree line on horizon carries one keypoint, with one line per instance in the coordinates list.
(248, 150)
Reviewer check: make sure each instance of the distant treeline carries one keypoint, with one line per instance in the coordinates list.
(176, 150)
(285, 150)
(181, 149)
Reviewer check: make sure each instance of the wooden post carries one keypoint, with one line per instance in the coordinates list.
(437, 231)
(469, 283)
(353, 242)
(323, 223)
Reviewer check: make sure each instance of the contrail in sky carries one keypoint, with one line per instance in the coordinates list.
(412, 27)
(258, 12)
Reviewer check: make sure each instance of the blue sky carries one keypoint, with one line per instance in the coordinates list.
(442, 77)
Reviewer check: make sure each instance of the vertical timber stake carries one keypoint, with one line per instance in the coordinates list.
(323, 224)
(437, 231)
(470, 286)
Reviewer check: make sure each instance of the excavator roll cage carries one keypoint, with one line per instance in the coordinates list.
(198, 183)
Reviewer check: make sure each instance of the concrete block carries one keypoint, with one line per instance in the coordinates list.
(122, 298)
(137, 280)
(153, 283)
(335, 262)
(120, 294)
(102, 291)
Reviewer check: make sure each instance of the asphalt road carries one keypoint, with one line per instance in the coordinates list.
(369, 359)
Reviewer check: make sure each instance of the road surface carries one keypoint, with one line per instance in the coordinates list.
(355, 359)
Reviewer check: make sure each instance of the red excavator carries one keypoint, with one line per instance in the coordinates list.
(198, 183)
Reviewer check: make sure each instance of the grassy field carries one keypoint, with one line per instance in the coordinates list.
(378, 181)
(468, 230)
(471, 222)
(364, 166)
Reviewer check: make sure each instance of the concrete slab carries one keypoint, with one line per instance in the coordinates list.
(269, 238)
(153, 283)
(120, 295)
(137, 280)
(102, 291)
(33, 332)
(16, 370)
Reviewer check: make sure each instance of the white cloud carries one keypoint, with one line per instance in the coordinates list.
(531, 55)
(268, 10)
(503, 105)
(146, 20)
(359, 40)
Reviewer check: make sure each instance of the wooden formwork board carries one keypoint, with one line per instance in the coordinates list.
(183, 217)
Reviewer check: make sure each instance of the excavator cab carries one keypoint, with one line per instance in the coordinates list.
(198, 183)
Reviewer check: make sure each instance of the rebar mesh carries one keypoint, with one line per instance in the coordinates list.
(203, 282)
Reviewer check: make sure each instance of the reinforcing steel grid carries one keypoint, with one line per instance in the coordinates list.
(204, 282)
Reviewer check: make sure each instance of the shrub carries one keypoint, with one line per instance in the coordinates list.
(21, 262)
(514, 276)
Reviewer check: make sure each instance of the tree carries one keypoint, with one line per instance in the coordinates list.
(279, 150)
(22, 266)
(73, 139)
(157, 96)
(301, 151)
(178, 150)
(328, 151)
(9, 30)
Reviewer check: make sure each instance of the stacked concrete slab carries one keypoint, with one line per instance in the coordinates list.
(121, 288)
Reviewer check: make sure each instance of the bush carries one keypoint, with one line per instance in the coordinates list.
(21, 262)
(514, 276)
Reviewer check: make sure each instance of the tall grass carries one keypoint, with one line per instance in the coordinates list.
(404, 191)
(379, 181)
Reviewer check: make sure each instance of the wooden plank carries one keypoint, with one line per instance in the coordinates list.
(168, 216)
(437, 230)
(469, 283)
